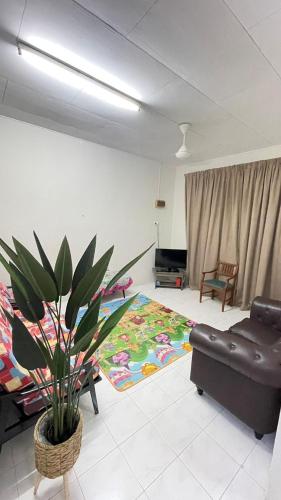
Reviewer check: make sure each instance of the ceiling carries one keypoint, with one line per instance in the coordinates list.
(214, 63)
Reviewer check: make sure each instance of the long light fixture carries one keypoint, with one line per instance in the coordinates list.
(77, 78)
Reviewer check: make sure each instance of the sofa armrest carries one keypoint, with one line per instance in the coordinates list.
(268, 312)
(259, 363)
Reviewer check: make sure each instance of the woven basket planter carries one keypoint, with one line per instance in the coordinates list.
(55, 460)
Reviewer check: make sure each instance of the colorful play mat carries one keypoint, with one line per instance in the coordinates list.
(149, 337)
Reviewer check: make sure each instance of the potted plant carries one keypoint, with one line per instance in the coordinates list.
(56, 367)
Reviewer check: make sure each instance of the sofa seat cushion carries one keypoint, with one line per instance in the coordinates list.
(255, 331)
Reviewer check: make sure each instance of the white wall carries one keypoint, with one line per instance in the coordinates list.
(57, 185)
(178, 236)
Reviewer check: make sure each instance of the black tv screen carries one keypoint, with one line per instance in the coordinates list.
(170, 259)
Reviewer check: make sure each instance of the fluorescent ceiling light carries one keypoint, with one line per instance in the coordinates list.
(69, 57)
(84, 77)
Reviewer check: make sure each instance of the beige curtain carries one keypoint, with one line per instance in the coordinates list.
(233, 214)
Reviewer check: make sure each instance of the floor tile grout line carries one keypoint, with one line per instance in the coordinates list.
(134, 475)
(124, 457)
(12, 466)
(190, 443)
(240, 466)
(198, 481)
(245, 471)
(220, 446)
(218, 412)
(160, 474)
(61, 489)
(171, 449)
(118, 446)
(134, 432)
(96, 463)
(233, 479)
(130, 436)
(150, 421)
(99, 460)
(178, 453)
(224, 448)
(230, 483)
(250, 475)
(169, 405)
(198, 435)
(150, 379)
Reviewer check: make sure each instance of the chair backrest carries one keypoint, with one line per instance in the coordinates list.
(227, 269)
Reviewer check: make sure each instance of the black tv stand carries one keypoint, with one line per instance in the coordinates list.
(170, 278)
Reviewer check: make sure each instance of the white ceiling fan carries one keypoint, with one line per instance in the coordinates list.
(183, 151)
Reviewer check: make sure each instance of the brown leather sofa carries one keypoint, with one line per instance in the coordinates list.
(241, 368)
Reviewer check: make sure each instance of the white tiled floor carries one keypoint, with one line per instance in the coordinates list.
(157, 441)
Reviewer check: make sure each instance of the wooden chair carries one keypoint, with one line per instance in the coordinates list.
(220, 284)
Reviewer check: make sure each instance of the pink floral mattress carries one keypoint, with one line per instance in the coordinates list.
(121, 285)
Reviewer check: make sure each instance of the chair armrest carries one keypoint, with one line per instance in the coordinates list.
(232, 277)
(268, 312)
(259, 363)
(209, 272)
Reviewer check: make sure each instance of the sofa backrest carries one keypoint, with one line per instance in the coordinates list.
(268, 312)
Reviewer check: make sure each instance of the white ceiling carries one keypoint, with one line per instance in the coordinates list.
(214, 63)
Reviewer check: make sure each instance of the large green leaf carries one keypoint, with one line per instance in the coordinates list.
(108, 326)
(46, 354)
(89, 320)
(38, 277)
(28, 303)
(83, 343)
(85, 263)
(63, 268)
(44, 259)
(127, 267)
(59, 362)
(12, 274)
(25, 348)
(87, 287)
(11, 269)
(10, 252)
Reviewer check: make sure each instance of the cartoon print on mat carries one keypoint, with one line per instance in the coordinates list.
(121, 359)
(149, 337)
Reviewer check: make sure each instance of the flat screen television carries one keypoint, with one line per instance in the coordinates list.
(169, 259)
